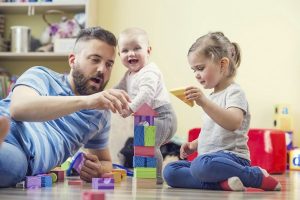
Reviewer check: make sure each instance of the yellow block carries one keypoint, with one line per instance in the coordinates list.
(283, 122)
(294, 159)
(122, 171)
(179, 93)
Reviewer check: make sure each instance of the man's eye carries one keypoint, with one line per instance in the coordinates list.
(95, 60)
(109, 65)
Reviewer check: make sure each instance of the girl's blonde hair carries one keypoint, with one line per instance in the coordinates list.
(216, 45)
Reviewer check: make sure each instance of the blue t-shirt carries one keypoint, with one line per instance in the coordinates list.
(48, 144)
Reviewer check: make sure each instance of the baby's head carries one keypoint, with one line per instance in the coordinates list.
(134, 48)
(215, 47)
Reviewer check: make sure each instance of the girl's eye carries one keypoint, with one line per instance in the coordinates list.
(124, 51)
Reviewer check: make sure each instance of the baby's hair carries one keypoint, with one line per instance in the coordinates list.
(97, 33)
(216, 45)
(134, 31)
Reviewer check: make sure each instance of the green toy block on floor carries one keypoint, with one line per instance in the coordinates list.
(142, 172)
(149, 137)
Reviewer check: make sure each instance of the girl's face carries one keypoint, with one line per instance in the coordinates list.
(134, 52)
(207, 72)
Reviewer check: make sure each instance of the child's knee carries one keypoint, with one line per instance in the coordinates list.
(201, 168)
(169, 173)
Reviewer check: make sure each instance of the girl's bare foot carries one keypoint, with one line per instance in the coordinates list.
(4, 127)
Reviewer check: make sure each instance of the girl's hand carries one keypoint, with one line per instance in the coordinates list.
(187, 149)
(194, 94)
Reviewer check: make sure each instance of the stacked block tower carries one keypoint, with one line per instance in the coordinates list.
(283, 120)
(144, 161)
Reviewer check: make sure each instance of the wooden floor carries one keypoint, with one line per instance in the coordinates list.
(126, 190)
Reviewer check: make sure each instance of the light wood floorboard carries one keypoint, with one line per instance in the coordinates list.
(126, 190)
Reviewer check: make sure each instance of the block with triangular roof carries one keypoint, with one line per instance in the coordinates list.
(179, 93)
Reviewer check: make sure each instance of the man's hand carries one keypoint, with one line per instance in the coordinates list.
(92, 168)
(126, 113)
(114, 99)
(186, 149)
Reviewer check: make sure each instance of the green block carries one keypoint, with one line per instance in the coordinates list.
(143, 172)
(149, 138)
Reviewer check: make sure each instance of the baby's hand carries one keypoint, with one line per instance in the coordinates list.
(194, 94)
(186, 149)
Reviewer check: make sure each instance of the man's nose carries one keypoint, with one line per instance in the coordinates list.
(101, 67)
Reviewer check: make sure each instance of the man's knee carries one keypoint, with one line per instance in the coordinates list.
(13, 165)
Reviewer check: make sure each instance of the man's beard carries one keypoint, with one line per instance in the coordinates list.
(81, 82)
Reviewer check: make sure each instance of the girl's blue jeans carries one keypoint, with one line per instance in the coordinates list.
(207, 171)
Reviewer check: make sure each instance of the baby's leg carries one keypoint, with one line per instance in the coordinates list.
(4, 128)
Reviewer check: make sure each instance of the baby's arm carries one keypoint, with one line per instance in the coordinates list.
(230, 119)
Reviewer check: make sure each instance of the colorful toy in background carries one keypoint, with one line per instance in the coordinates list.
(144, 162)
(6, 83)
(283, 120)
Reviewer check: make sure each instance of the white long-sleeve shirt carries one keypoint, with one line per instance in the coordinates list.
(145, 86)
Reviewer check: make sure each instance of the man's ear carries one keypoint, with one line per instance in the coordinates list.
(149, 50)
(224, 64)
(72, 60)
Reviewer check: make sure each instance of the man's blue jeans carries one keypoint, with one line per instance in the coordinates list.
(13, 164)
(207, 171)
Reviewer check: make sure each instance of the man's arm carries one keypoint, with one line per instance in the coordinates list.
(97, 162)
(28, 105)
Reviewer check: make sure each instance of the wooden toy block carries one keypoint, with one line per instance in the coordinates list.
(75, 182)
(53, 176)
(93, 195)
(289, 140)
(122, 172)
(46, 180)
(179, 93)
(76, 164)
(115, 175)
(66, 164)
(144, 183)
(149, 138)
(139, 161)
(144, 151)
(283, 122)
(144, 120)
(33, 182)
(150, 162)
(60, 174)
(142, 172)
(294, 162)
(138, 135)
(282, 109)
(145, 110)
(103, 183)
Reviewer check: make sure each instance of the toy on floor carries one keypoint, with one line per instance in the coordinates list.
(179, 93)
(103, 183)
(76, 164)
(93, 195)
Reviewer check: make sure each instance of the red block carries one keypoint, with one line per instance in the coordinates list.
(268, 149)
(144, 151)
(193, 134)
(93, 195)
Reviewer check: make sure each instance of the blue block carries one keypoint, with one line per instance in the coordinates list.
(46, 181)
(150, 162)
(139, 161)
(138, 136)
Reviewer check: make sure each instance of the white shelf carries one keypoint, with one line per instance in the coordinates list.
(41, 7)
(9, 56)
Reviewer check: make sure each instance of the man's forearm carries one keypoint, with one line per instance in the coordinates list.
(44, 108)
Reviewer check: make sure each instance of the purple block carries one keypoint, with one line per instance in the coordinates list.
(33, 182)
(103, 183)
(78, 162)
(144, 120)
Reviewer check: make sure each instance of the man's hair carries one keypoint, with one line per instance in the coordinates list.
(97, 33)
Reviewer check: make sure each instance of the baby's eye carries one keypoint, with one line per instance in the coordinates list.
(137, 48)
